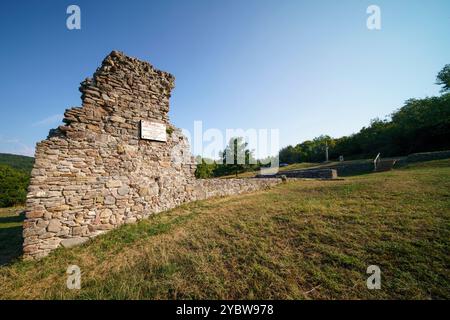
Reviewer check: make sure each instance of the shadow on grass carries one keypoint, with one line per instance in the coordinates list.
(12, 219)
(11, 238)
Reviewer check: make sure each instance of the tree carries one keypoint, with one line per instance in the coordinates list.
(289, 154)
(205, 168)
(443, 78)
(237, 157)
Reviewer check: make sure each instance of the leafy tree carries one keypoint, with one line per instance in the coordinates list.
(237, 157)
(443, 78)
(205, 168)
(290, 154)
(13, 186)
(307, 151)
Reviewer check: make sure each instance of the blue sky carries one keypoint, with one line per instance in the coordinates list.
(304, 67)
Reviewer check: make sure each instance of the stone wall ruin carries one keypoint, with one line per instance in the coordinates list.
(95, 173)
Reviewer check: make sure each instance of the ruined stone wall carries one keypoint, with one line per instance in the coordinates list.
(94, 173)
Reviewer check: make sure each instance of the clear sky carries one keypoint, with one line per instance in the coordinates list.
(304, 67)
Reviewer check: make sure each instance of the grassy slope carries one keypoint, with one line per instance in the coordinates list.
(303, 239)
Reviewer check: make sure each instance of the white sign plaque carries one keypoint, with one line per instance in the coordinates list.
(153, 131)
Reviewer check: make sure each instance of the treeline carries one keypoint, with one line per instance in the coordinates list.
(17, 162)
(421, 125)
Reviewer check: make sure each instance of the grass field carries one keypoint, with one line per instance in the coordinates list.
(299, 240)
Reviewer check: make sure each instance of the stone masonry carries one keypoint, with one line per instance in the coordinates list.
(305, 174)
(94, 173)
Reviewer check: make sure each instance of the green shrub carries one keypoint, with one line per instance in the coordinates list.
(169, 131)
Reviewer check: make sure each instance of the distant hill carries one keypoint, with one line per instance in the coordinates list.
(17, 162)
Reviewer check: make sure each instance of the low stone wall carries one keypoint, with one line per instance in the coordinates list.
(308, 174)
(349, 169)
(427, 156)
(316, 174)
(98, 171)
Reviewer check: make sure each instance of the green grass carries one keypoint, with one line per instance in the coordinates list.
(299, 240)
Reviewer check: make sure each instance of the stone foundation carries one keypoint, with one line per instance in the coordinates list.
(95, 173)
